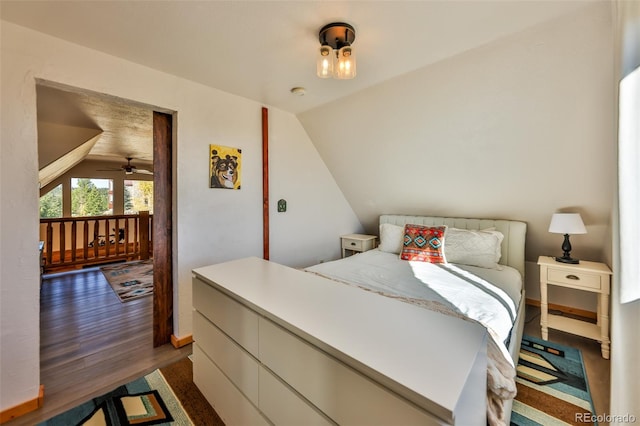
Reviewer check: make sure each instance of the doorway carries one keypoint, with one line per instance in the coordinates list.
(85, 127)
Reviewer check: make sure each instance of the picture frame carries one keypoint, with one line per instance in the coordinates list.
(225, 167)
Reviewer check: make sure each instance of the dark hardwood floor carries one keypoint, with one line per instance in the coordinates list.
(90, 342)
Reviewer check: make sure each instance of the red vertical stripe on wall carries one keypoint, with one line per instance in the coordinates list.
(265, 183)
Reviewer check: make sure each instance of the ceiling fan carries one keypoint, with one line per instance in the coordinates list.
(128, 169)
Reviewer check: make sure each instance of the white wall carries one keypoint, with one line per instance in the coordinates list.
(516, 129)
(19, 274)
(210, 225)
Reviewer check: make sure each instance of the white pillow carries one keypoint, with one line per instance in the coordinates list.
(475, 248)
(391, 238)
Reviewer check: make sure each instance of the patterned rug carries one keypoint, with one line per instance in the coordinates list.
(130, 280)
(552, 386)
(166, 396)
(145, 401)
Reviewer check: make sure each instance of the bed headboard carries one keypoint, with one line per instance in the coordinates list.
(514, 232)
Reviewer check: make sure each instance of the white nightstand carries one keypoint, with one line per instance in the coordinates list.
(586, 276)
(357, 243)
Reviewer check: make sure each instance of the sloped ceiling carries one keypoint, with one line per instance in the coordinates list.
(76, 125)
(254, 49)
(261, 49)
(125, 128)
(65, 162)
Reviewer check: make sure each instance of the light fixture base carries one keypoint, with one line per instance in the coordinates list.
(337, 35)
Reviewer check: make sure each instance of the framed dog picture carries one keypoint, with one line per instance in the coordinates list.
(224, 167)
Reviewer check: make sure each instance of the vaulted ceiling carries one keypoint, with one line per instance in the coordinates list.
(262, 49)
(254, 49)
(76, 125)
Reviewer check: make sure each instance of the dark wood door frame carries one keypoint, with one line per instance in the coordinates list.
(162, 228)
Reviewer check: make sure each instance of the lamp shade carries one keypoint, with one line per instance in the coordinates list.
(567, 223)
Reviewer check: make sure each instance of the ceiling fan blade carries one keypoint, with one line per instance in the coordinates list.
(128, 169)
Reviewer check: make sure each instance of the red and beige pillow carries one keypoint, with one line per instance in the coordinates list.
(423, 243)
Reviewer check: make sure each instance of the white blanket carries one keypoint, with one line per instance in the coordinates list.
(472, 296)
(450, 290)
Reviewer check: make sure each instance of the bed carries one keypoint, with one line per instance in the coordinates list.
(275, 345)
(382, 271)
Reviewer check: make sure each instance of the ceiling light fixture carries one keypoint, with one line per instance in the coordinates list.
(336, 57)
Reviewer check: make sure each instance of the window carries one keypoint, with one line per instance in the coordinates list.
(91, 197)
(629, 186)
(51, 203)
(138, 196)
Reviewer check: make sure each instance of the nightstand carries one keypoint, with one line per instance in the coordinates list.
(585, 276)
(357, 243)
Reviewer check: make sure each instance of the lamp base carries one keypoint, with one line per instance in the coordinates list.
(567, 260)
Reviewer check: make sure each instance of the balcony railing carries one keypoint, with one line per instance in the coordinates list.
(73, 242)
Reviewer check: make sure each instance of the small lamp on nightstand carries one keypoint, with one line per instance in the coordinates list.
(567, 223)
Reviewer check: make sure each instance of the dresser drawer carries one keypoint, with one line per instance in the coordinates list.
(343, 394)
(234, 319)
(224, 397)
(574, 279)
(230, 358)
(283, 406)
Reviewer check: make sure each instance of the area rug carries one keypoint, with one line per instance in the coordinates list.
(130, 280)
(166, 396)
(552, 386)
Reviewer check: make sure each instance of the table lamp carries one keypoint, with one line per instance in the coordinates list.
(567, 224)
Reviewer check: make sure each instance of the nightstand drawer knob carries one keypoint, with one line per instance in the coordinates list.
(353, 244)
(573, 277)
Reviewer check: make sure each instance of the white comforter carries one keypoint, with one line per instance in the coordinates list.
(473, 297)
(466, 294)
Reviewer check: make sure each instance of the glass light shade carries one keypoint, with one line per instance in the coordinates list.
(567, 223)
(324, 64)
(346, 64)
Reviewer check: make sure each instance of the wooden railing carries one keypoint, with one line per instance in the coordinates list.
(72, 242)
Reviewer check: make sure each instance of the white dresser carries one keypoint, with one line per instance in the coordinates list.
(275, 345)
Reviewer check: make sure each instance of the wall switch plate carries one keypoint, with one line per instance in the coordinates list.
(282, 206)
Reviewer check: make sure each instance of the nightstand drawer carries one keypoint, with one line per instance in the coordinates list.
(574, 279)
(350, 244)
